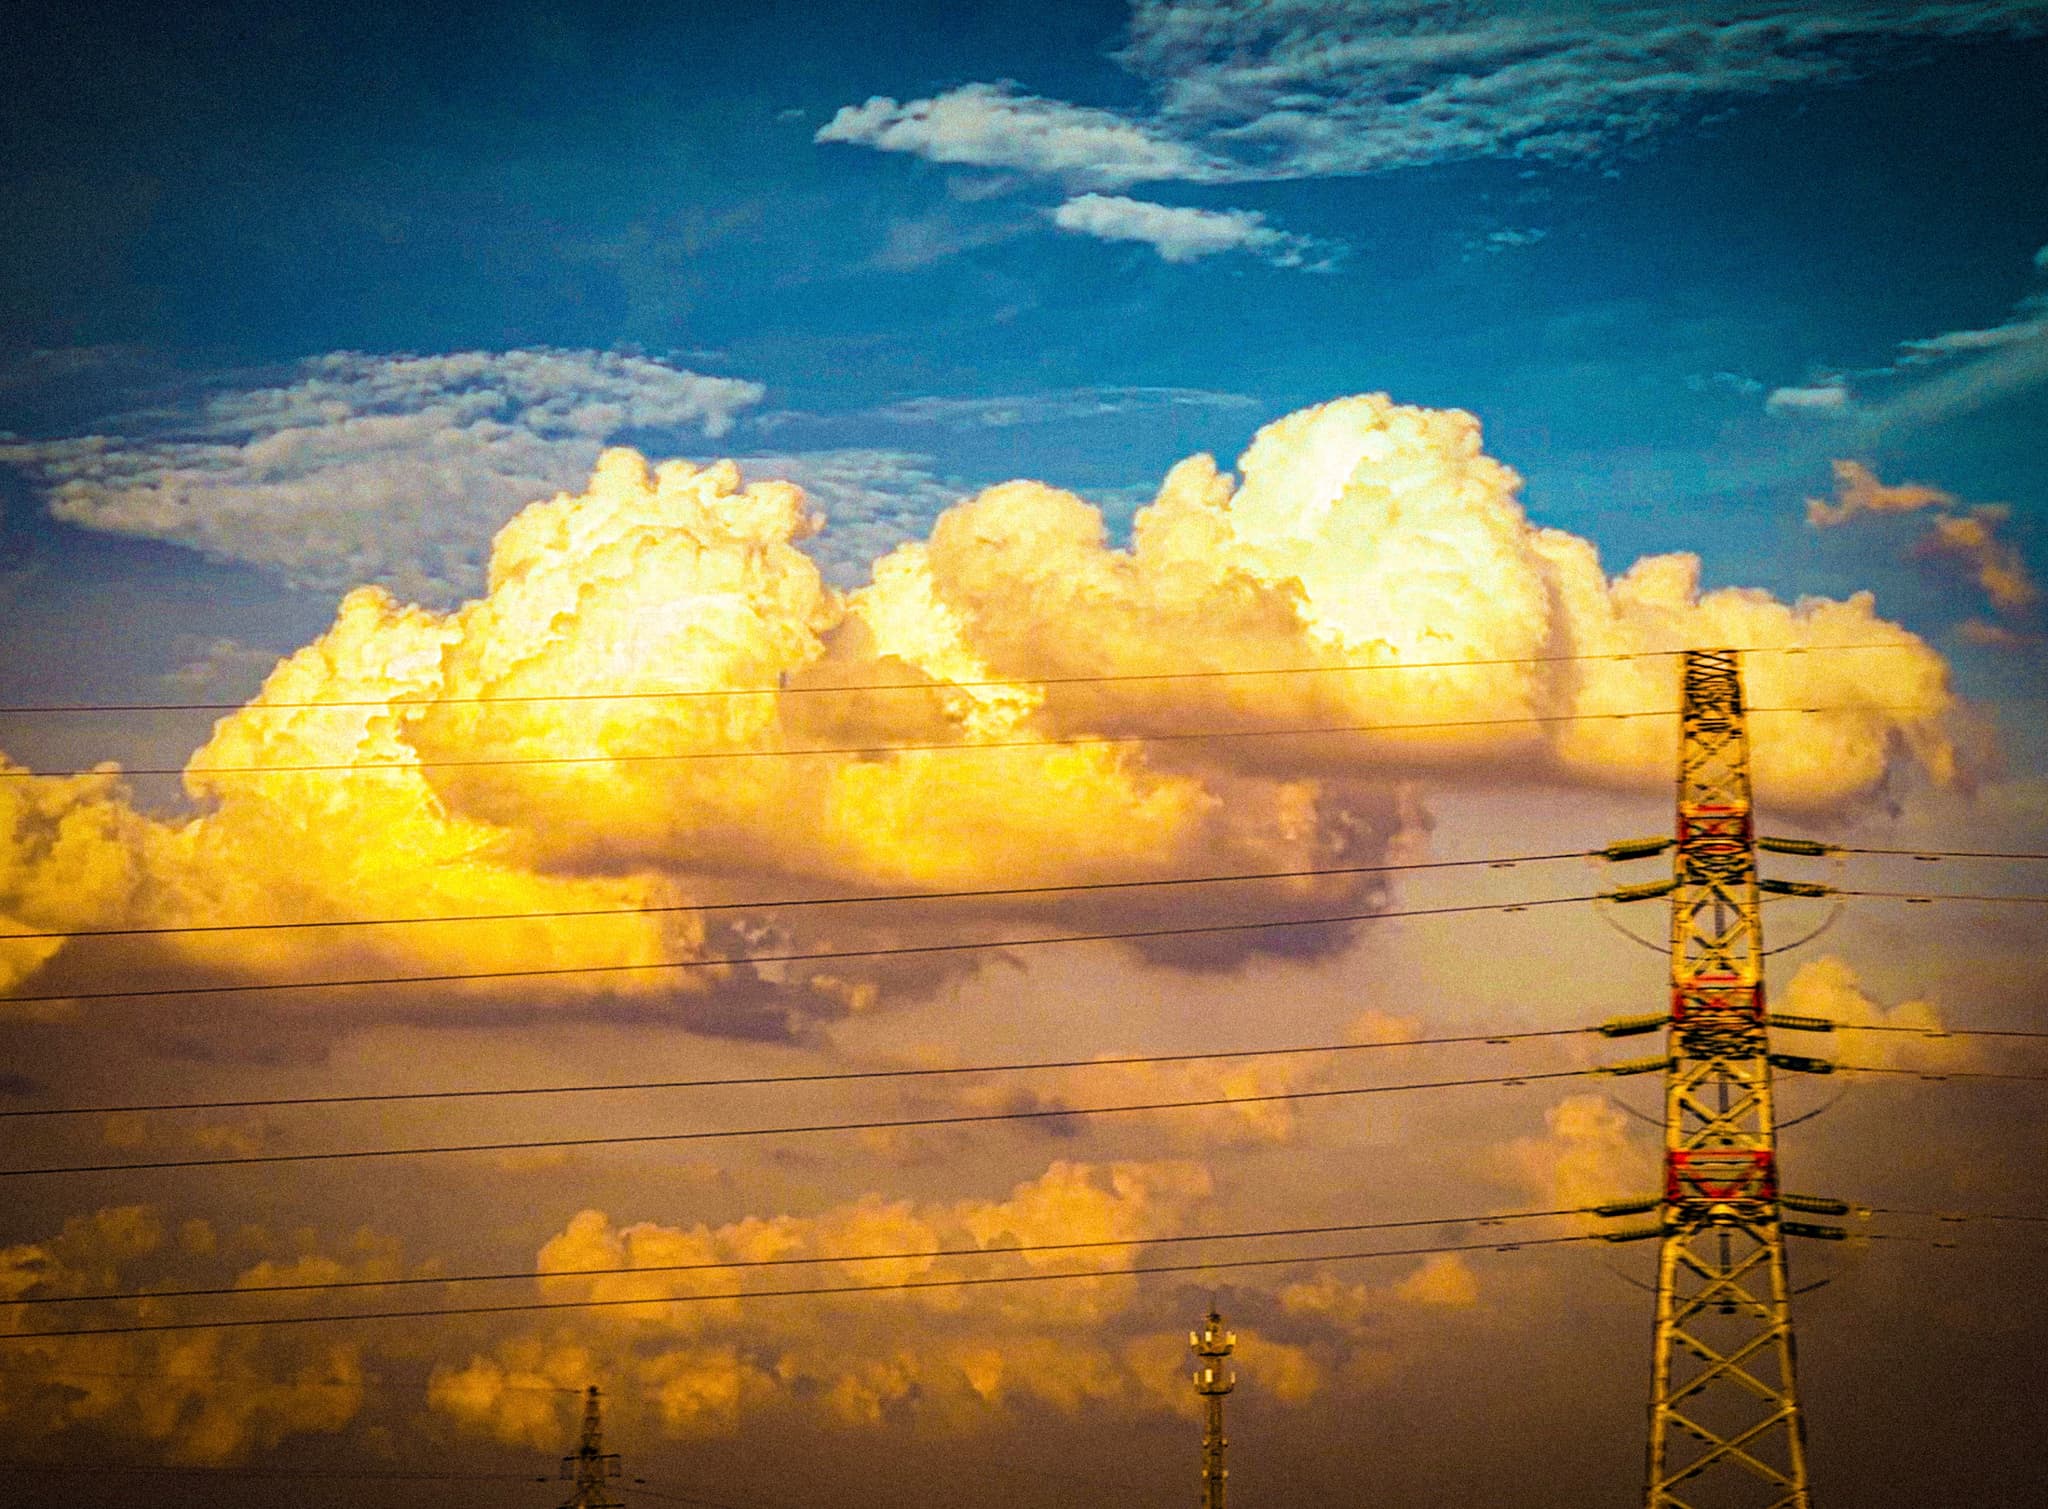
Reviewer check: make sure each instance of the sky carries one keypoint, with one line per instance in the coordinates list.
(496, 417)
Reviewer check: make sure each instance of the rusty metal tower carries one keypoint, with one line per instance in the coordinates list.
(1212, 1381)
(592, 1466)
(1725, 1426)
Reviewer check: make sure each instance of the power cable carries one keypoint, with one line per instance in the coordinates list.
(1935, 1075)
(1923, 897)
(1935, 854)
(808, 1292)
(902, 950)
(245, 1160)
(910, 686)
(1952, 1216)
(721, 961)
(1941, 1032)
(390, 1475)
(365, 767)
(1491, 1219)
(772, 903)
(833, 1076)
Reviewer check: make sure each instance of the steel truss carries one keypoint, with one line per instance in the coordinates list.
(1725, 1426)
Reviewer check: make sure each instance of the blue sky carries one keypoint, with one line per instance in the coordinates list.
(1615, 279)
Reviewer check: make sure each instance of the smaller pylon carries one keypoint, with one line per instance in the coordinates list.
(1212, 1344)
(592, 1465)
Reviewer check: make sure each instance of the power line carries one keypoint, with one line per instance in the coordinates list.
(1492, 1219)
(771, 903)
(720, 961)
(953, 747)
(1933, 1075)
(1952, 1215)
(835, 1076)
(244, 1160)
(843, 1076)
(811, 1291)
(1922, 897)
(906, 686)
(1933, 854)
(1941, 1032)
(901, 950)
(55, 1373)
(390, 1475)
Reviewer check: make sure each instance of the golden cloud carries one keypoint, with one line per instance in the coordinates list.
(526, 753)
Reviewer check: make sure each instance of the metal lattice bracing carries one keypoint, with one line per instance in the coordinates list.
(1725, 1427)
(592, 1466)
(1212, 1345)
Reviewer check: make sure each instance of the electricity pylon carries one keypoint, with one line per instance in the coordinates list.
(1212, 1344)
(592, 1465)
(1725, 1426)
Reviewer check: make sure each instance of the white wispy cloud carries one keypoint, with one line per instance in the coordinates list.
(1246, 89)
(1002, 411)
(1819, 398)
(354, 467)
(1933, 377)
(1006, 411)
(994, 126)
(1182, 233)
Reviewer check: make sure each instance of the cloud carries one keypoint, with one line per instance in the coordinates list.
(943, 1355)
(208, 1398)
(358, 468)
(871, 500)
(1824, 399)
(444, 762)
(1180, 233)
(1995, 565)
(2029, 322)
(1511, 237)
(1740, 383)
(1968, 536)
(1828, 987)
(1858, 491)
(1316, 88)
(994, 126)
(1589, 1154)
(1970, 368)
(1007, 411)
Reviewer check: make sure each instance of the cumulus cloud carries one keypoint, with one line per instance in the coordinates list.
(1589, 1154)
(1307, 88)
(1968, 536)
(359, 468)
(945, 1357)
(1180, 233)
(994, 126)
(1829, 987)
(206, 1397)
(415, 763)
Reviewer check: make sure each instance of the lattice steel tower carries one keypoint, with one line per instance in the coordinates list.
(1212, 1344)
(592, 1465)
(1725, 1427)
